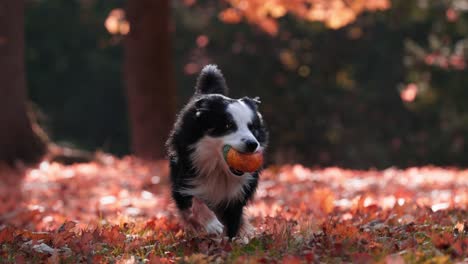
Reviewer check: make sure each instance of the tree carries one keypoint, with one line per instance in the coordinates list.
(149, 76)
(18, 135)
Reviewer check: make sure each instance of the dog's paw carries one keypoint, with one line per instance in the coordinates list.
(247, 230)
(214, 227)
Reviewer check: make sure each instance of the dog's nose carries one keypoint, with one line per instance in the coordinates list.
(250, 145)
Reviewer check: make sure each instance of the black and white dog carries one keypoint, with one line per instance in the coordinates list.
(208, 193)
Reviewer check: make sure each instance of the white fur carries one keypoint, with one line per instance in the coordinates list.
(214, 227)
(200, 218)
(215, 183)
(242, 115)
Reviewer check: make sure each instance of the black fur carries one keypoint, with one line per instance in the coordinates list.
(211, 81)
(205, 114)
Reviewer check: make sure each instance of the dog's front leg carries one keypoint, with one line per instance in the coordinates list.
(232, 217)
(206, 218)
(184, 204)
(246, 229)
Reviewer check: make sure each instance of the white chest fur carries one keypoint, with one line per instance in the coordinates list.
(215, 183)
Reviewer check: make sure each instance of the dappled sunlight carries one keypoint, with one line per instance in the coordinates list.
(409, 93)
(54, 193)
(116, 23)
(370, 84)
(335, 14)
(126, 203)
(333, 189)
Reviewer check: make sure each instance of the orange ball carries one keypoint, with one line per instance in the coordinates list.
(245, 162)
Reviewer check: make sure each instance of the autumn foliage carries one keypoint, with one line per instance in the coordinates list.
(120, 210)
(334, 13)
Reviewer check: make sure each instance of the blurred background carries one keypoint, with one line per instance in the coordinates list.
(358, 84)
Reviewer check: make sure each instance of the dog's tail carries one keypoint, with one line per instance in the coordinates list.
(211, 81)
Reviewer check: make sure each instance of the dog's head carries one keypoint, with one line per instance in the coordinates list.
(226, 121)
(235, 122)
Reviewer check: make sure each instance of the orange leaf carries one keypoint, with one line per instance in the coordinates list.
(230, 16)
(269, 25)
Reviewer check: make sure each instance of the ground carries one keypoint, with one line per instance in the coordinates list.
(119, 211)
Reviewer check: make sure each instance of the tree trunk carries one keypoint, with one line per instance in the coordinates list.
(18, 141)
(149, 76)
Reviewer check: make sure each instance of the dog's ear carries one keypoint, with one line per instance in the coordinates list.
(254, 102)
(257, 100)
(201, 107)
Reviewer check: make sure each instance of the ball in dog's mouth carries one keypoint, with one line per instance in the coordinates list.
(239, 163)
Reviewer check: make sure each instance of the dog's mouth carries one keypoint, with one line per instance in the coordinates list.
(236, 172)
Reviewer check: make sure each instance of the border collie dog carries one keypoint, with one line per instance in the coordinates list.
(209, 194)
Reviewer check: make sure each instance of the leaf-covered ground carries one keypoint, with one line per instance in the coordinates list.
(120, 211)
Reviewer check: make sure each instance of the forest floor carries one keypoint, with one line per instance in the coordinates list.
(120, 211)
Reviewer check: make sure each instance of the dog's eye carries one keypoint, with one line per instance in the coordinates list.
(229, 125)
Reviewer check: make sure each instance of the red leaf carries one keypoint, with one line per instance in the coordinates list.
(7, 235)
(113, 236)
(362, 258)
